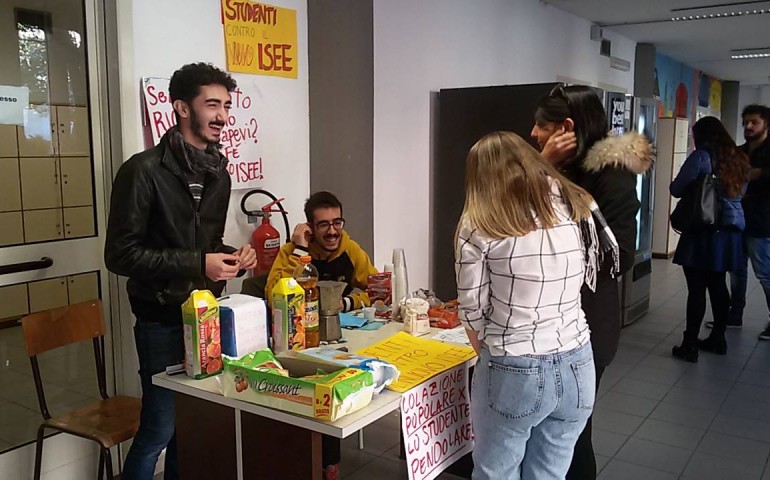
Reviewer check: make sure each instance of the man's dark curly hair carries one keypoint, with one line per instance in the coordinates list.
(186, 82)
(754, 109)
(320, 200)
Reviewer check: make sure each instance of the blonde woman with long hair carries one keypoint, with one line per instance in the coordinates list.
(525, 245)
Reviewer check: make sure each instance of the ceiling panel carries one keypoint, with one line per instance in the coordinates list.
(703, 44)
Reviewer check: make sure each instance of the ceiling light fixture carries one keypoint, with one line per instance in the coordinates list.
(707, 16)
(750, 53)
(704, 12)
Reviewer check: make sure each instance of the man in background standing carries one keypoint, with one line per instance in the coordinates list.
(756, 208)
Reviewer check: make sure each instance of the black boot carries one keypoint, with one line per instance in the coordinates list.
(714, 343)
(688, 351)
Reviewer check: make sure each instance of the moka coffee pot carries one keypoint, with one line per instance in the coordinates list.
(330, 300)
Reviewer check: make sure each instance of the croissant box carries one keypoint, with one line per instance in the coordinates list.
(297, 386)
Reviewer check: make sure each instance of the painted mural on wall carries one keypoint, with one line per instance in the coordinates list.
(685, 91)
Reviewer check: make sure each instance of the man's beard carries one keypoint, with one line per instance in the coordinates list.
(197, 127)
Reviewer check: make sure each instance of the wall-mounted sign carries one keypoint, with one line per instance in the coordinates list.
(13, 102)
(260, 39)
(618, 115)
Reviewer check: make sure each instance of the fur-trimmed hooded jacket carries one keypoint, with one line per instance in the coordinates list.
(608, 172)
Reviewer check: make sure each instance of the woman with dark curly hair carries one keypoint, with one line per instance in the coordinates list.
(707, 255)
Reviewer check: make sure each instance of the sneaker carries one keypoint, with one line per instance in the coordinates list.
(765, 335)
(739, 324)
(332, 472)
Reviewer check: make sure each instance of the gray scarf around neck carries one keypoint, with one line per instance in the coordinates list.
(194, 160)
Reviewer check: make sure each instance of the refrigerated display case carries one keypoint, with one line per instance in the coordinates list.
(635, 284)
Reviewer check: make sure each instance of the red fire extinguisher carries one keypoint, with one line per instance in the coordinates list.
(265, 239)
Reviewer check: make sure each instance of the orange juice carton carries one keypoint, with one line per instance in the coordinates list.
(288, 316)
(202, 345)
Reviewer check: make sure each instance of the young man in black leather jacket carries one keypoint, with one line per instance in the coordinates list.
(167, 219)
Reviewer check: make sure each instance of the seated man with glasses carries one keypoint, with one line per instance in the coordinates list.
(335, 255)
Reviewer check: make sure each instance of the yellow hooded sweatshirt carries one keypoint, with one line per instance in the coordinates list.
(349, 263)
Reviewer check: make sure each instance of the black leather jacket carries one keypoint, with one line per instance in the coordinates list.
(157, 237)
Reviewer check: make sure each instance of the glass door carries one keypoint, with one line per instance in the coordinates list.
(51, 201)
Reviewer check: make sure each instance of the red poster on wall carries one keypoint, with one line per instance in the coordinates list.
(240, 138)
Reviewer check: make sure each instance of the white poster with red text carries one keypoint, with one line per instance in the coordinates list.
(436, 423)
(240, 138)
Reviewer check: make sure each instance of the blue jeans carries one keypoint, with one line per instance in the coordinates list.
(758, 250)
(528, 412)
(158, 346)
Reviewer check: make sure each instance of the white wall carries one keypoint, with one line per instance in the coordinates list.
(171, 33)
(421, 47)
(156, 38)
(747, 95)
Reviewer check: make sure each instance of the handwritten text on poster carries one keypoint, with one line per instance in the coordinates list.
(239, 137)
(417, 359)
(259, 38)
(436, 423)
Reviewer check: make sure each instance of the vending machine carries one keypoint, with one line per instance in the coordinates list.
(639, 115)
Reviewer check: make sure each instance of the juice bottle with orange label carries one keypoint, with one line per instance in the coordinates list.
(307, 276)
(288, 316)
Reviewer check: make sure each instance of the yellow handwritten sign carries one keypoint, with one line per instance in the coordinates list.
(417, 359)
(260, 38)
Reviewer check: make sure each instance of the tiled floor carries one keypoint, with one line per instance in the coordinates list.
(660, 418)
(69, 379)
(656, 417)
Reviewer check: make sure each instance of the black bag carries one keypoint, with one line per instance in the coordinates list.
(700, 208)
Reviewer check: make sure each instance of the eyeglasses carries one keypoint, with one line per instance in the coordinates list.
(338, 224)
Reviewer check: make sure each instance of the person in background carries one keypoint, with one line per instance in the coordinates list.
(525, 245)
(706, 256)
(337, 257)
(571, 129)
(756, 207)
(166, 221)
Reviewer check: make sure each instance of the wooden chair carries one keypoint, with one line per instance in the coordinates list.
(109, 421)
